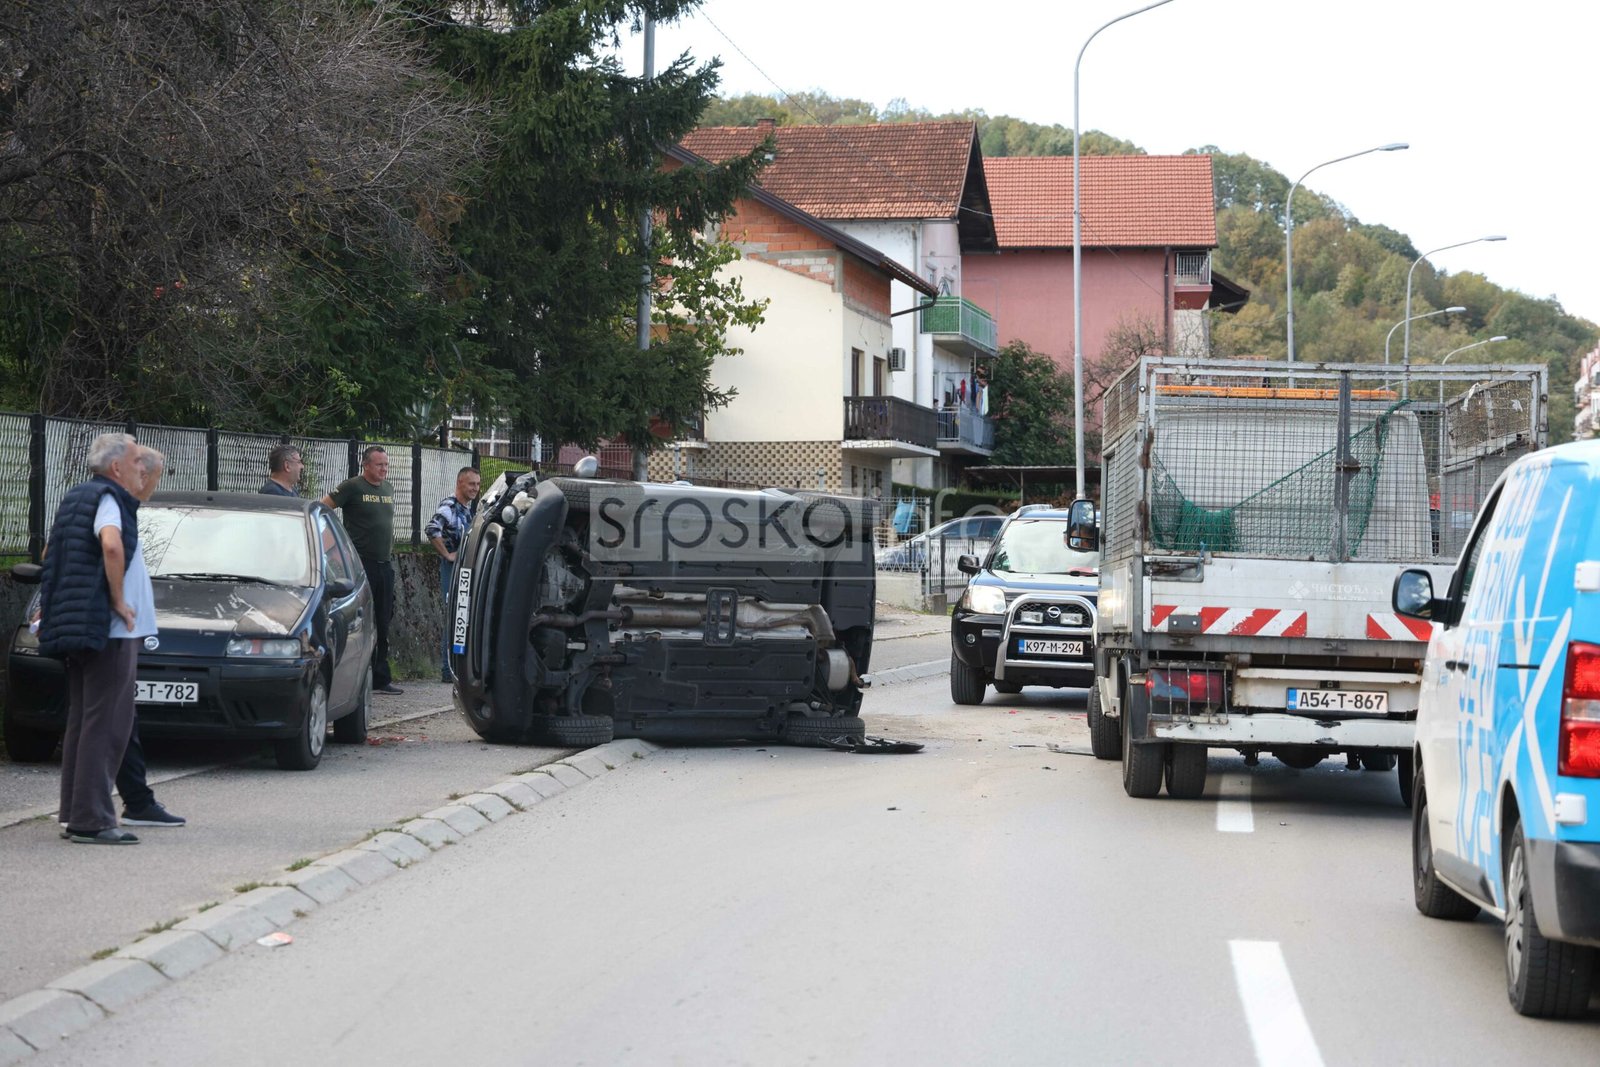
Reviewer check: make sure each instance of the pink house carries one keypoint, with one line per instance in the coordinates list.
(1149, 226)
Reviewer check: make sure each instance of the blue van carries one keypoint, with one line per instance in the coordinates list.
(1507, 756)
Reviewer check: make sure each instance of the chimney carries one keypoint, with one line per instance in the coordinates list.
(766, 124)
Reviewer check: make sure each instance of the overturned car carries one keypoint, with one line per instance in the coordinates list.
(586, 609)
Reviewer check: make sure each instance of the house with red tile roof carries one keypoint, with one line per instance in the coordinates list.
(813, 408)
(1149, 227)
(916, 192)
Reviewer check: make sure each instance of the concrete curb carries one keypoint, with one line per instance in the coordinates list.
(46, 1017)
(911, 672)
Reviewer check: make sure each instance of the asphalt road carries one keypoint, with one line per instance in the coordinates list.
(988, 900)
(61, 903)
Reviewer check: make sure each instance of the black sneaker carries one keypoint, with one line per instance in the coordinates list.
(391, 690)
(153, 815)
(447, 677)
(112, 836)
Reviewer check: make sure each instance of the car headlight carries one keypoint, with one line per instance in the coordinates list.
(265, 647)
(985, 600)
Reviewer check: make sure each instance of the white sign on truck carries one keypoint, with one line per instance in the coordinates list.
(1255, 515)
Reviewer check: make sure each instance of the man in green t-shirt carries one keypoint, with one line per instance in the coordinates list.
(367, 506)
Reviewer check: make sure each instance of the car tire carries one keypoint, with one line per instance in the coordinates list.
(1105, 734)
(1186, 771)
(1010, 689)
(1545, 979)
(25, 744)
(1433, 898)
(351, 728)
(804, 730)
(303, 751)
(571, 731)
(1406, 771)
(1142, 765)
(966, 683)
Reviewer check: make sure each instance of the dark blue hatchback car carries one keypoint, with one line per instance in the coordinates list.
(265, 629)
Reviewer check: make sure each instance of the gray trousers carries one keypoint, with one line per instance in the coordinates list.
(100, 716)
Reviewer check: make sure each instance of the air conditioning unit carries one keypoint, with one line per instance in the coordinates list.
(897, 359)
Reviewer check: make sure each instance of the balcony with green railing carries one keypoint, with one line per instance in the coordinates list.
(956, 322)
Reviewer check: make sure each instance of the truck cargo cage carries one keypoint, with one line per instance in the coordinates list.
(1331, 462)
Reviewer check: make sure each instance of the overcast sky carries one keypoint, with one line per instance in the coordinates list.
(1497, 100)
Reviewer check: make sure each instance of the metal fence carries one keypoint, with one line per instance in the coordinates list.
(41, 458)
(1313, 461)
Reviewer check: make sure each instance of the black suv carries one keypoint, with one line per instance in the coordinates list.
(1027, 615)
(586, 609)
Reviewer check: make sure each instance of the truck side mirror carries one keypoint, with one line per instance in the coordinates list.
(1083, 533)
(967, 564)
(1413, 597)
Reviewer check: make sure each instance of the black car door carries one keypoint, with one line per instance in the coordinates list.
(344, 620)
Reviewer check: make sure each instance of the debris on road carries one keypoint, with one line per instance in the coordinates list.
(276, 939)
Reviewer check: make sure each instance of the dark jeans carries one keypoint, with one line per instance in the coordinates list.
(381, 575)
(100, 716)
(447, 590)
(131, 785)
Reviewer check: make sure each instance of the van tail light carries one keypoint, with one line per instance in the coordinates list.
(1580, 712)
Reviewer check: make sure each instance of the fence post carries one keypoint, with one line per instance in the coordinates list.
(36, 505)
(213, 459)
(416, 495)
(476, 459)
(354, 459)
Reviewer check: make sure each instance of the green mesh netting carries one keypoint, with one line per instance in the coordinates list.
(1293, 516)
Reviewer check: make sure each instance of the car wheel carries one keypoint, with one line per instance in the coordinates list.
(966, 683)
(804, 730)
(1186, 771)
(303, 751)
(1405, 767)
(1010, 689)
(28, 745)
(1105, 734)
(351, 728)
(1434, 899)
(1142, 765)
(571, 731)
(1544, 978)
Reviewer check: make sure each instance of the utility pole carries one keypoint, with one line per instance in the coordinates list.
(646, 281)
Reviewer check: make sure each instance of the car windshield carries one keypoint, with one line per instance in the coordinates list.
(1039, 546)
(214, 544)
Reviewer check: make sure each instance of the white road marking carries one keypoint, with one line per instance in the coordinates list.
(1278, 1026)
(1233, 806)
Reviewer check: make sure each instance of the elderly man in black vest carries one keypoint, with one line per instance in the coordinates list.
(94, 614)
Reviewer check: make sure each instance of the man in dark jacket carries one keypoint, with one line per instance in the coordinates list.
(88, 619)
(283, 471)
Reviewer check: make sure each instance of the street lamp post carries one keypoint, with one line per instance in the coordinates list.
(1405, 346)
(1077, 256)
(1403, 322)
(1475, 344)
(1288, 228)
